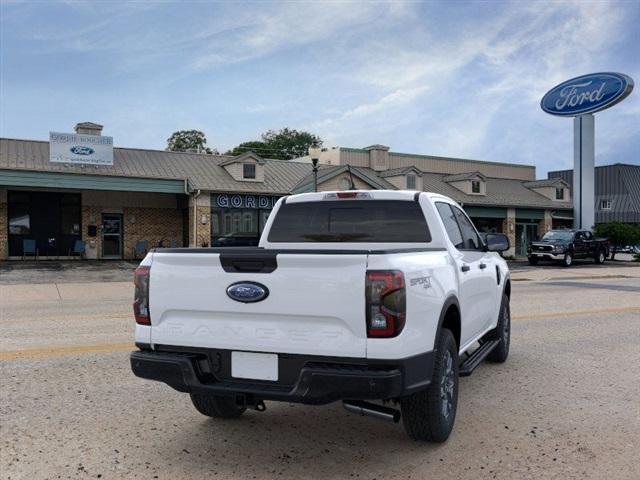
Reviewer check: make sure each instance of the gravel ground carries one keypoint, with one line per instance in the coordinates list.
(565, 405)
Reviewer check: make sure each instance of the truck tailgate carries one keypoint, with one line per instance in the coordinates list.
(315, 306)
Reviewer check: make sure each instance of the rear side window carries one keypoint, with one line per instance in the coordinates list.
(376, 221)
(469, 234)
(459, 228)
(450, 224)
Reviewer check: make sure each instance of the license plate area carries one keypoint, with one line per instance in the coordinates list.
(254, 366)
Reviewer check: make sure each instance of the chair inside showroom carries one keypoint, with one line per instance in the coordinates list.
(29, 248)
(79, 249)
(141, 248)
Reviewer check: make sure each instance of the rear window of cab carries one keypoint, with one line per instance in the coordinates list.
(375, 221)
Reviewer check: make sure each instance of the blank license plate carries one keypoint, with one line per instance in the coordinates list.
(255, 366)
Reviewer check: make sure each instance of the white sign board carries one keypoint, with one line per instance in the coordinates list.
(74, 148)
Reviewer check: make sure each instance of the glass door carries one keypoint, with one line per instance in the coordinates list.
(525, 233)
(111, 235)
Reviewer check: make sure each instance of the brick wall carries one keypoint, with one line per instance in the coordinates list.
(509, 229)
(91, 215)
(152, 225)
(203, 230)
(545, 224)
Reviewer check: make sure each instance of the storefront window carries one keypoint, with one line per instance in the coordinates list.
(19, 217)
(488, 225)
(52, 219)
(19, 220)
(237, 220)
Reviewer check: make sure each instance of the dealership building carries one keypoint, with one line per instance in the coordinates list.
(119, 202)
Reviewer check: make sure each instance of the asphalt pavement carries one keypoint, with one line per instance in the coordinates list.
(565, 404)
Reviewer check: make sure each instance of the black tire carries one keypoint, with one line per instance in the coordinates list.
(567, 261)
(217, 406)
(532, 260)
(503, 332)
(429, 415)
(600, 257)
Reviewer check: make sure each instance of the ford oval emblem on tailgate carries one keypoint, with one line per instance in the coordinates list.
(247, 292)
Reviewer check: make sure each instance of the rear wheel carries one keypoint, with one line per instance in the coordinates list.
(600, 257)
(428, 415)
(217, 406)
(567, 261)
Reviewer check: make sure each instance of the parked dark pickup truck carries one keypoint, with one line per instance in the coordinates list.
(566, 245)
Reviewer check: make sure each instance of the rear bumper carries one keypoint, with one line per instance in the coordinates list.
(305, 379)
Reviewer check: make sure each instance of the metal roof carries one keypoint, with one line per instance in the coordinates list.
(620, 184)
(547, 182)
(327, 172)
(201, 170)
(206, 172)
(463, 176)
(400, 171)
(499, 192)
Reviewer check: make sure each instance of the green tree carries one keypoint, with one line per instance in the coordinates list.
(283, 144)
(257, 147)
(188, 141)
(619, 234)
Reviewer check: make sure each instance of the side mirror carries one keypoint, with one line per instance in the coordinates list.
(497, 242)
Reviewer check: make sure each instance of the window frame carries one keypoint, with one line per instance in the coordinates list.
(479, 184)
(244, 171)
(608, 203)
(481, 244)
(559, 193)
(412, 177)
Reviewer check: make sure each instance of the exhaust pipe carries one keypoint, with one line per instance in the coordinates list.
(372, 410)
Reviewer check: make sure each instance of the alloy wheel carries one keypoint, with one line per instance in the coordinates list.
(447, 385)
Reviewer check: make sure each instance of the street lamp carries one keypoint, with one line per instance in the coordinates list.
(314, 153)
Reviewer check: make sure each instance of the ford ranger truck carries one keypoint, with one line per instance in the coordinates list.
(379, 299)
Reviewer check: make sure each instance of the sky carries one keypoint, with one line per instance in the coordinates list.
(451, 78)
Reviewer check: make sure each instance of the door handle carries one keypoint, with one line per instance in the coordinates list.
(483, 266)
(465, 268)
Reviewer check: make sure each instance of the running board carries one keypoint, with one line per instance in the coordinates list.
(469, 365)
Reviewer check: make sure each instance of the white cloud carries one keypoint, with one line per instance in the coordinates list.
(484, 80)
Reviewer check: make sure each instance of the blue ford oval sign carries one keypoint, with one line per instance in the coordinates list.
(247, 292)
(587, 94)
(80, 150)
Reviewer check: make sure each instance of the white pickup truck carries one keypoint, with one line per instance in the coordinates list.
(368, 297)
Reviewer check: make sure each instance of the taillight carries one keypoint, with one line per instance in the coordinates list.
(386, 303)
(141, 297)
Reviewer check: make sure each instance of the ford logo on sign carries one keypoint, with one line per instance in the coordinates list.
(587, 94)
(247, 292)
(79, 150)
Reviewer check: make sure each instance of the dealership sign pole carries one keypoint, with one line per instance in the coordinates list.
(580, 98)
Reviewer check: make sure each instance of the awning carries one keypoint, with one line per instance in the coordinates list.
(486, 212)
(30, 178)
